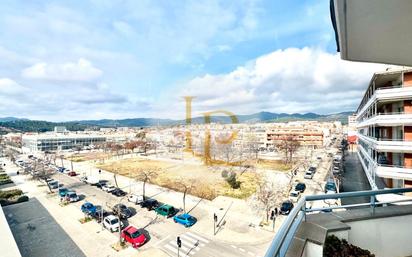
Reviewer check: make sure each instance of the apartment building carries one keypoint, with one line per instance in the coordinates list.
(384, 119)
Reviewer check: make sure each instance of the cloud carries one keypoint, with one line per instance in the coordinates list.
(10, 87)
(289, 80)
(82, 70)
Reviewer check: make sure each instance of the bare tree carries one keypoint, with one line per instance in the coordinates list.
(269, 195)
(188, 186)
(146, 176)
(288, 145)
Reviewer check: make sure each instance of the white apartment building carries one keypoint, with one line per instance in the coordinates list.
(384, 120)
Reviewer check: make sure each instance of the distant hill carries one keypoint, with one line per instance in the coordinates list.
(25, 125)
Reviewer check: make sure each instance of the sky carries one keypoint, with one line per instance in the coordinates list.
(104, 59)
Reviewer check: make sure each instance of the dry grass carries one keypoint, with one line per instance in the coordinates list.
(208, 181)
(273, 165)
(81, 157)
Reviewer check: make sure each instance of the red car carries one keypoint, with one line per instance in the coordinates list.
(132, 235)
(72, 173)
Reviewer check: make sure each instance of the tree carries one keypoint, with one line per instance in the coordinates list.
(188, 185)
(288, 145)
(269, 195)
(146, 176)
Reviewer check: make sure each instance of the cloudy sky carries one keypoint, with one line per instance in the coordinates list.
(93, 59)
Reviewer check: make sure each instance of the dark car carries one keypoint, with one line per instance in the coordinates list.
(99, 213)
(286, 207)
(330, 186)
(313, 169)
(300, 187)
(118, 192)
(122, 211)
(101, 183)
(150, 204)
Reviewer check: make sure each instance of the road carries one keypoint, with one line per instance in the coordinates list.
(163, 232)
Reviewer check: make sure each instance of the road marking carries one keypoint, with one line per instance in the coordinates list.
(197, 237)
(184, 247)
(233, 246)
(188, 238)
(251, 254)
(173, 248)
(242, 250)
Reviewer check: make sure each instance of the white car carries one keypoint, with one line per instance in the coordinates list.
(294, 196)
(136, 199)
(108, 188)
(72, 197)
(308, 175)
(112, 223)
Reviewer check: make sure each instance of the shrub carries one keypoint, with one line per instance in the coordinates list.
(225, 173)
(10, 193)
(6, 181)
(334, 247)
(232, 181)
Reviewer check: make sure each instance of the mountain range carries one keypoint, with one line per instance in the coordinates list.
(26, 125)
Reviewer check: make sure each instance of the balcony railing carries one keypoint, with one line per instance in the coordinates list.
(284, 236)
(390, 118)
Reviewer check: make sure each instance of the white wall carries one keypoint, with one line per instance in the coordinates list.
(386, 237)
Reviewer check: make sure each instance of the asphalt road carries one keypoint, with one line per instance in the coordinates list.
(163, 232)
(354, 179)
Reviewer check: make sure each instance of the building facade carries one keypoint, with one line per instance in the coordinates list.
(384, 121)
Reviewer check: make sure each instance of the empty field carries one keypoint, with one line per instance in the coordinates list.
(208, 180)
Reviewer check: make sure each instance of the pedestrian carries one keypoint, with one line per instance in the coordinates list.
(276, 211)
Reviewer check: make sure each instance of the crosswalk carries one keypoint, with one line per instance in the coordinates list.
(191, 244)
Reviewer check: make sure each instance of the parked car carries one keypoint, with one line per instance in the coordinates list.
(330, 186)
(63, 191)
(88, 208)
(294, 196)
(301, 187)
(53, 184)
(91, 180)
(133, 236)
(72, 197)
(166, 210)
(112, 223)
(99, 213)
(101, 183)
(122, 211)
(185, 219)
(72, 174)
(313, 169)
(108, 188)
(286, 207)
(308, 174)
(136, 199)
(150, 204)
(118, 192)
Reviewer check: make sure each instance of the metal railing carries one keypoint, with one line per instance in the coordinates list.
(285, 234)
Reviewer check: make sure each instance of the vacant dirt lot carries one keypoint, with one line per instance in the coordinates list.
(80, 157)
(207, 181)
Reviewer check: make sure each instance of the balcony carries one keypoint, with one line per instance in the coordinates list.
(394, 171)
(304, 231)
(387, 145)
(387, 119)
(388, 93)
